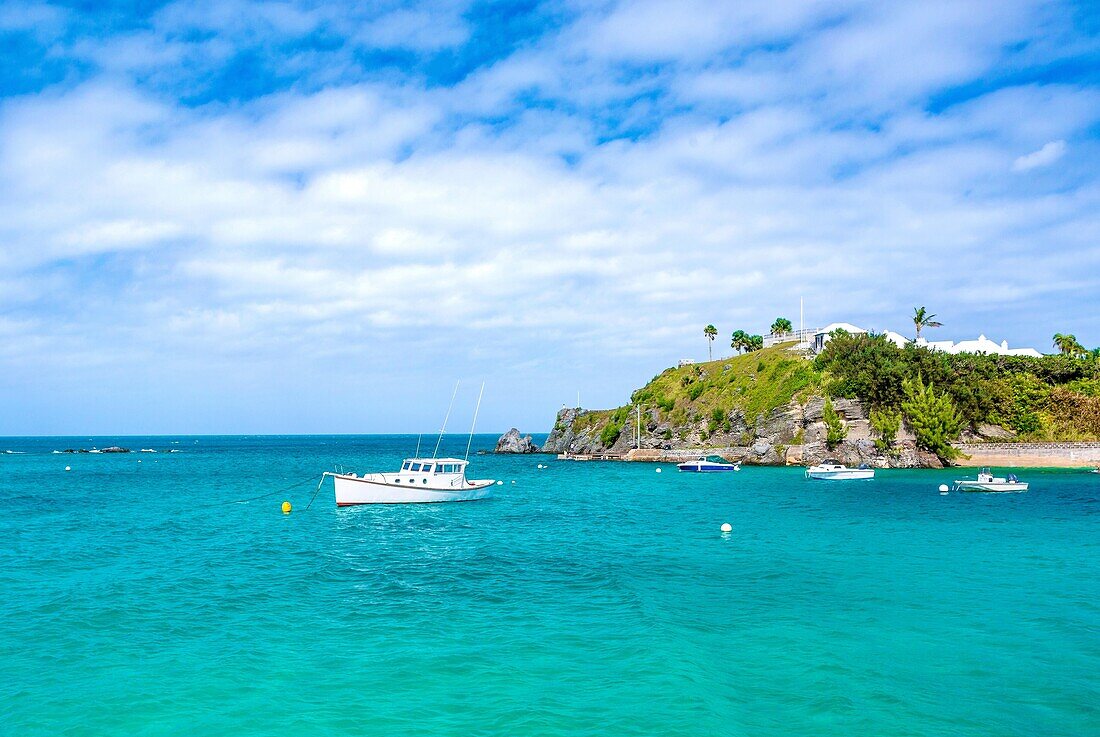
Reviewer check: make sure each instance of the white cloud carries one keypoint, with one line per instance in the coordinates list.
(580, 202)
(1047, 155)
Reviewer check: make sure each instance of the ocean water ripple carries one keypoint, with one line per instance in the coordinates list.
(585, 599)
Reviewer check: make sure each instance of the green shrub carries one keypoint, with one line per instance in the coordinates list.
(932, 418)
(695, 390)
(886, 423)
(611, 433)
(835, 431)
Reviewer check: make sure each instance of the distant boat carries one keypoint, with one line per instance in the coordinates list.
(420, 480)
(702, 464)
(986, 481)
(836, 471)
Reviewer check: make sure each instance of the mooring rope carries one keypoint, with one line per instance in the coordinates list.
(316, 491)
(273, 493)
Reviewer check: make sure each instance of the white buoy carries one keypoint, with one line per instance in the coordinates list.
(727, 527)
(513, 481)
(500, 483)
(944, 489)
(658, 470)
(68, 468)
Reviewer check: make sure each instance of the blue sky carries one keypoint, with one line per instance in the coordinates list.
(315, 217)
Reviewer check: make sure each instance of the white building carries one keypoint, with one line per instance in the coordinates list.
(982, 345)
(821, 337)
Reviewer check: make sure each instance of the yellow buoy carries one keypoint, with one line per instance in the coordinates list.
(286, 507)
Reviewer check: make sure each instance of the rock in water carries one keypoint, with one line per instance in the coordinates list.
(116, 449)
(513, 442)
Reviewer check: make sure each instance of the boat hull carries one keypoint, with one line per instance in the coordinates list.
(851, 474)
(983, 486)
(351, 490)
(708, 468)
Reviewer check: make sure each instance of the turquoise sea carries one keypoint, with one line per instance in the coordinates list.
(585, 599)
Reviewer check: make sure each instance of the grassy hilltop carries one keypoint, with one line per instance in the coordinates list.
(726, 401)
(754, 383)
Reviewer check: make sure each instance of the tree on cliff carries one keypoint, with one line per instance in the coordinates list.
(835, 430)
(781, 326)
(710, 332)
(921, 319)
(1067, 345)
(932, 417)
(739, 341)
(755, 342)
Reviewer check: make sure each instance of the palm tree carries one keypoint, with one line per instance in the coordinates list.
(1067, 345)
(781, 326)
(922, 319)
(711, 333)
(739, 340)
(755, 342)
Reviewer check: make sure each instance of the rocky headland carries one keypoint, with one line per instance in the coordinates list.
(863, 400)
(513, 442)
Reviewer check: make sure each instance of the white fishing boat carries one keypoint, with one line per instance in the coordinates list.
(836, 471)
(702, 464)
(986, 481)
(420, 480)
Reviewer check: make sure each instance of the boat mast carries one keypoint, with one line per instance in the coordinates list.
(435, 453)
(474, 423)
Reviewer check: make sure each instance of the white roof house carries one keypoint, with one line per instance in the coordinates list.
(821, 337)
(981, 345)
(896, 338)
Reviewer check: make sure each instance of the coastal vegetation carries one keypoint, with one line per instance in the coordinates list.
(710, 333)
(1047, 398)
(1067, 345)
(835, 431)
(751, 385)
(782, 326)
(897, 398)
(742, 342)
(922, 319)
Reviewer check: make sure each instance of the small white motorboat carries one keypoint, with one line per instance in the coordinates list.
(986, 481)
(420, 480)
(836, 471)
(702, 464)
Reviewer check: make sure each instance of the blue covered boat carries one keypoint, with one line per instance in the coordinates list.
(702, 464)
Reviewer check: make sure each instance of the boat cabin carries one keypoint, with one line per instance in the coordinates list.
(429, 471)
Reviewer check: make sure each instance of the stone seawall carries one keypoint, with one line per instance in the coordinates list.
(1059, 455)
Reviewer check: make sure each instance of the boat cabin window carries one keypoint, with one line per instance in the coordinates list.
(415, 467)
(405, 466)
(427, 468)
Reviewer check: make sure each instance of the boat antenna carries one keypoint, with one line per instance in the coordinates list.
(418, 437)
(435, 453)
(474, 424)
